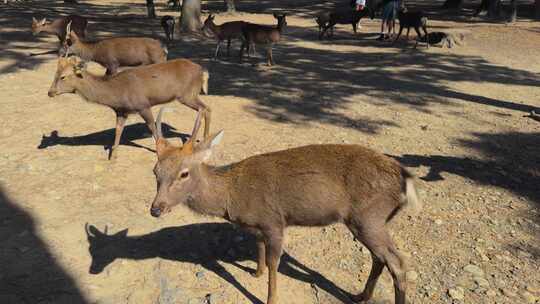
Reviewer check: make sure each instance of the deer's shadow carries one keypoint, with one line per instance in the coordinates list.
(205, 244)
(105, 138)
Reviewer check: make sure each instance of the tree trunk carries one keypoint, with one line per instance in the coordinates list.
(231, 8)
(190, 20)
(494, 9)
(513, 12)
(537, 8)
(150, 8)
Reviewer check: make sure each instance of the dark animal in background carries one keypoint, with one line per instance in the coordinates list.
(327, 20)
(58, 26)
(137, 90)
(265, 35)
(314, 185)
(226, 31)
(113, 53)
(167, 23)
(415, 19)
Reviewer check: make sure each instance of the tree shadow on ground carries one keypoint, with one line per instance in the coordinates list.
(105, 138)
(509, 161)
(28, 271)
(204, 244)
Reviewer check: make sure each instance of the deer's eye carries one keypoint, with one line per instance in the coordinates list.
(184, 174)
(63, 77)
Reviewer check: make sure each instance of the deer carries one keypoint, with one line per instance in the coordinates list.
(263, 34)
(167, 23)
(408, 19)
(136, 90)
(226, 31)
(113, 53)
(314, 185)
(59, 25)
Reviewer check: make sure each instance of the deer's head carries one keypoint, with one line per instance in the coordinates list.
(68, 71)
(38, 25)
(177, 170)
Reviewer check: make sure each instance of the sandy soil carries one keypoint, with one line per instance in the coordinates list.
(455, 117)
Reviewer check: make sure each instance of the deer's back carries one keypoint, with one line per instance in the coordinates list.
(158, 83)
(232, 29)
(129, 51)
(313, 185)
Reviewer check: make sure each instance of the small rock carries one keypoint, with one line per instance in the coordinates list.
(411, 276)
(509, 293)
(481, 282)
(456, 293)
(528, 297)
(199, 274)
(491, 293)
(474, 270)
(438, 222)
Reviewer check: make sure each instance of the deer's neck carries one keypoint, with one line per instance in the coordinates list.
(95, 89)
(84, 50)
(213, 195)
(54, 27)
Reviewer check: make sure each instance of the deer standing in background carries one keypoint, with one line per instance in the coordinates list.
(113, 53)
(264, 35)
(137, 90)
(314, 185)
(226, 31)
(59, 25)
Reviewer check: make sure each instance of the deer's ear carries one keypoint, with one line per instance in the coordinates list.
(43, 21)
(34, 20)
(203, 151)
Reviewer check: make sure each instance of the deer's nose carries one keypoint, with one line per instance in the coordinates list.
(155, 211)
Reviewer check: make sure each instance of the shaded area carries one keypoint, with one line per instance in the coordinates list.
(28, 271)
(204, 244)
(105, 138)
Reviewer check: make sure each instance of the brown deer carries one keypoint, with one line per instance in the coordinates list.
(314, 185)
(137, 90)
(264, 35)
(113, 53)
(226, 31)
(58, 26)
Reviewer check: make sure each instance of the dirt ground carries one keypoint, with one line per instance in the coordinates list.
(455, 117)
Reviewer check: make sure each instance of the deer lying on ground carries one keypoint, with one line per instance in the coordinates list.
(58, 26)
(314, 185)
(264, 35)
(167, 23)
(327, 20)
(415, 19)
(440, 37)
(226, 31)
(113, 53)
(137, 90)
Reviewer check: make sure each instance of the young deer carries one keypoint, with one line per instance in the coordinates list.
(137, 90)
(167, 23)
(226, 31)
(313, 185)
(263, 34)
(113, 53)
(58, 26)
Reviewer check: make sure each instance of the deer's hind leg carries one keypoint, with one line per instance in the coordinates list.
(120, 122)
(203, 112)
(146, 114)
(383, 252)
